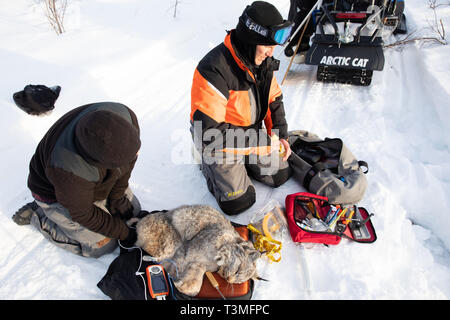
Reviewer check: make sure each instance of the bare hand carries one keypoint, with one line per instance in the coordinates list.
(287, 149)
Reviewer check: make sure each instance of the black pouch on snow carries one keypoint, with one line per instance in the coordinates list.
(121, 281)
(327, 168)
(37, 99)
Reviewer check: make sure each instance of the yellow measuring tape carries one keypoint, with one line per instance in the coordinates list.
(267, 245)
(275, 225)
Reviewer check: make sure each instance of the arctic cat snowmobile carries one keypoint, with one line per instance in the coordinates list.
(347, 45)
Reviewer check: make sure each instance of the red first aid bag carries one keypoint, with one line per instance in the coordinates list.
(303, 207)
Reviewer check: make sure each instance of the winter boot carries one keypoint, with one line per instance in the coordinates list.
(23, 215)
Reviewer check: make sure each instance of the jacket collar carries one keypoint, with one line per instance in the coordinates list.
(239, 62)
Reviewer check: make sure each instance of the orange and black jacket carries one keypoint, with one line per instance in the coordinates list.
(226, 94)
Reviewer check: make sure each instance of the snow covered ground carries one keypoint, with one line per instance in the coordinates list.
(135, 52)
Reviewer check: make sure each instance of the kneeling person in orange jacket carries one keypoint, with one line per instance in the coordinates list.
(237, 110)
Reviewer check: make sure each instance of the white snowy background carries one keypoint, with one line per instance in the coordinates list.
(135, 52)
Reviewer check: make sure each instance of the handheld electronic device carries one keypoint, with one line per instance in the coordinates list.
(157, 282)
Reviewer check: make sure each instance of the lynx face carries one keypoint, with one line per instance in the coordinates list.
(237, 262)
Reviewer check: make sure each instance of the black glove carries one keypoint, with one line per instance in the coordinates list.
(144, 213)
(121, 207)
(130, 240)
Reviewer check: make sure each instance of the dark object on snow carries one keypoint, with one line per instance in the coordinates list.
(347, 45)
(37, 99)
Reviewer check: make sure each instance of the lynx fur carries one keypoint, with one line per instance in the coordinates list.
(196, 239)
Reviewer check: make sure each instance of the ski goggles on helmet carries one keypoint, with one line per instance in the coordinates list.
(279, 33)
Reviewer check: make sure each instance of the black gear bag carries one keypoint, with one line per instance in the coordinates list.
(327, 168)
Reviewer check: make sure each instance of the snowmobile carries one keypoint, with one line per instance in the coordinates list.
(347, 43)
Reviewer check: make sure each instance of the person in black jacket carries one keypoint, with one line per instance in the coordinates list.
(79, 179)
(237, 111)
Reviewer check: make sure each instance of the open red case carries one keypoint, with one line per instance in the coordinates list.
(300, 205)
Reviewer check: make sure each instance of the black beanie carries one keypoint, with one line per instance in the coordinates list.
(264, 14)
(37, 99)
(106, 139)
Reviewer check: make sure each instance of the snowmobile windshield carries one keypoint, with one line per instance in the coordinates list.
(279, 33)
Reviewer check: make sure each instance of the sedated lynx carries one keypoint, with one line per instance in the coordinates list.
(196, 239)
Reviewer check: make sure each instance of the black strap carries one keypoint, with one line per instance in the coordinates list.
(316, 168)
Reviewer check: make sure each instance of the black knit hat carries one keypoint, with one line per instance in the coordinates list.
(106, 139)
(264, 14)
(37, 99)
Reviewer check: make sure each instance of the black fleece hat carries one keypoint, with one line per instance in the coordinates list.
(37, 99)
(106, 139)
(264, 14)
